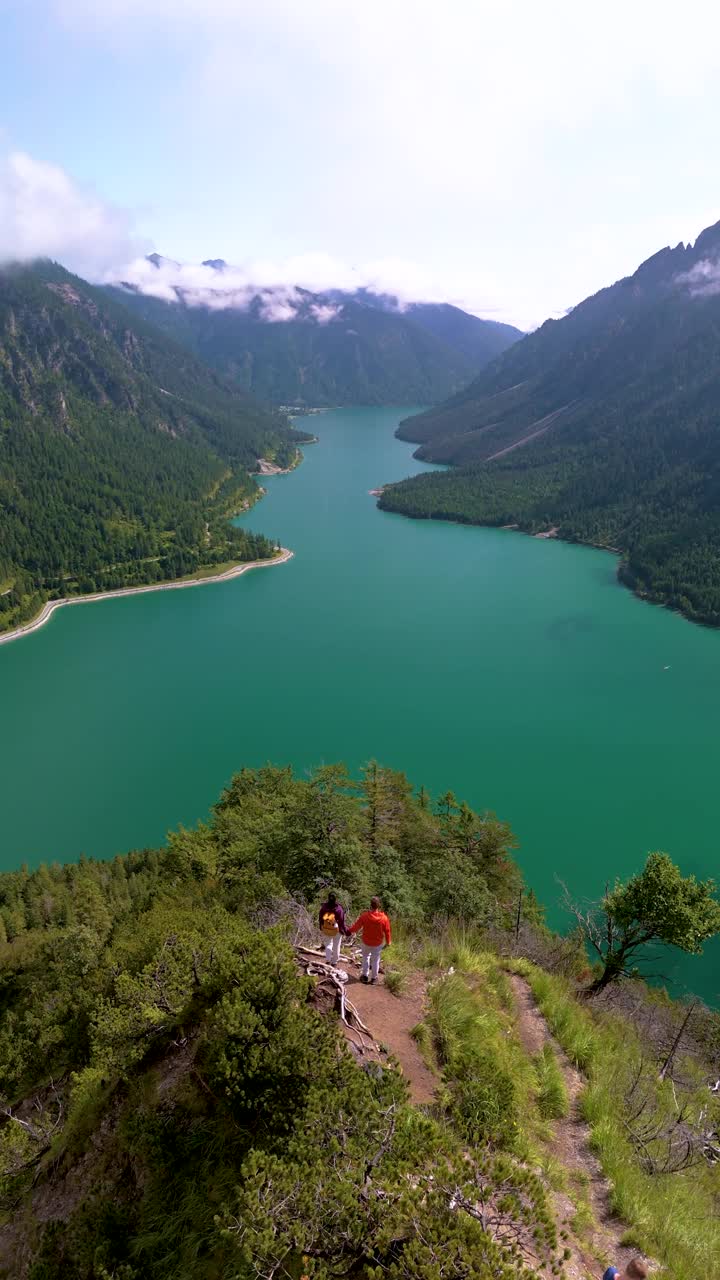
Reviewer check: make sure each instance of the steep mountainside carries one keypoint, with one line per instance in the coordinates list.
(606, 425)
(322, 349)
(121, 456)
(478, 340)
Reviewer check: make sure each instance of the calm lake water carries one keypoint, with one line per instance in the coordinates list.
(514, 671)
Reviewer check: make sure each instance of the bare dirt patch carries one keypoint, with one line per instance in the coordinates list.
(390, 1019)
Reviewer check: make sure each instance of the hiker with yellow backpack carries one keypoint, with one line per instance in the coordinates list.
(332, 928)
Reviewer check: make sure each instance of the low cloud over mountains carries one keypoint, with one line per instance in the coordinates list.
(46, 213)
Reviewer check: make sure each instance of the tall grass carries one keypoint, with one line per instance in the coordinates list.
(484, 1099)
(552, 1099)
(490, 1082)
(673, 1217)
(395, 981)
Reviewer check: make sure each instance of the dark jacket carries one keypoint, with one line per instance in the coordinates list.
(339, 916)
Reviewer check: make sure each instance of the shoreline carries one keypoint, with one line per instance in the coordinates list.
(50, 606)
(268, 468)
(553, 533)
(618, 552)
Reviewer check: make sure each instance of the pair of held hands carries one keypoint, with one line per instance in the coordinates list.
(348, 936)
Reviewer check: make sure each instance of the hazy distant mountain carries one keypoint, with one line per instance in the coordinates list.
(478, 340)
(292, 346)
(121, 455)
(606, 424)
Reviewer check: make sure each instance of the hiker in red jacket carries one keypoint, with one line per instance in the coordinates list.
(375, 928)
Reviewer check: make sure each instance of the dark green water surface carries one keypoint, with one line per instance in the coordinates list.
(514, 671)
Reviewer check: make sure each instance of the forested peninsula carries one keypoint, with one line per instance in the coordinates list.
(122, 457)
(188, 1090)
(280, 556)
(603, 426)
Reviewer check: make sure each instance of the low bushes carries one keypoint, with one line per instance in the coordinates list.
(488, 1076)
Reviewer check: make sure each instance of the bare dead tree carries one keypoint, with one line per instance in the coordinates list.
(665, 1142)
(289, 912)
(676, 1042)
(39, 1118)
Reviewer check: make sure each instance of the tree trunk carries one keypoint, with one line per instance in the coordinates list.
(614, 965)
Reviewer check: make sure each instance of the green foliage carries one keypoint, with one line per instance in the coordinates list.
(373, 838)
(122, 458)
(365, 1213)
(486, 1075)
(394, 981)
(166, 1080)
(658, 905)
(157, 1031)
(664, 904)
(485, 1101)
(264, 1043)
(552, 1099)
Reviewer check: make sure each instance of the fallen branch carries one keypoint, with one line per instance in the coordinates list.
(328, 975)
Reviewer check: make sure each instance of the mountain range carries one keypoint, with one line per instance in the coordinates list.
(601, 427)
(121, 455)
(291, 346)
(122, 452)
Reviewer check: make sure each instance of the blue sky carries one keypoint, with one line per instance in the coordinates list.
(508, 155)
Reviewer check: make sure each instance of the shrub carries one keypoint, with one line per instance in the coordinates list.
(485, 1104)
(395, 981)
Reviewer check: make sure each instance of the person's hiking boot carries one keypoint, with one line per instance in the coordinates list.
(363, 977)
(372, 981)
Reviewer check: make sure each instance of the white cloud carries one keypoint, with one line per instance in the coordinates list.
(44, 213)
(276, 284)
(478, 136)
(323, 313)
(703, 279)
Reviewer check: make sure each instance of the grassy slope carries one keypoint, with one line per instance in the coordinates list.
(671, 1217)
(496, 1090)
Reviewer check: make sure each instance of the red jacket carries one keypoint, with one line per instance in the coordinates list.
(375, 928)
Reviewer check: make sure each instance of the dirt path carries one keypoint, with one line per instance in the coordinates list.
(570, 1146)
(391, 1019)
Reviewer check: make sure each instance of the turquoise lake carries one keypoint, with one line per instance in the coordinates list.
(513, 670)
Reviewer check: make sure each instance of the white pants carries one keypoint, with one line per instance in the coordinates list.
(370, 960)
(331, 944)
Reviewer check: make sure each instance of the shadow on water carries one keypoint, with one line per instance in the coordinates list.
(575, 624)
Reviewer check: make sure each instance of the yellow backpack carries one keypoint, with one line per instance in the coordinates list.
(329, 923)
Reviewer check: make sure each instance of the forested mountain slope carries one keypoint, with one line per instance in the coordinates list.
(605, 425)
(478, 339)
(121, 456)
(301, 348)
